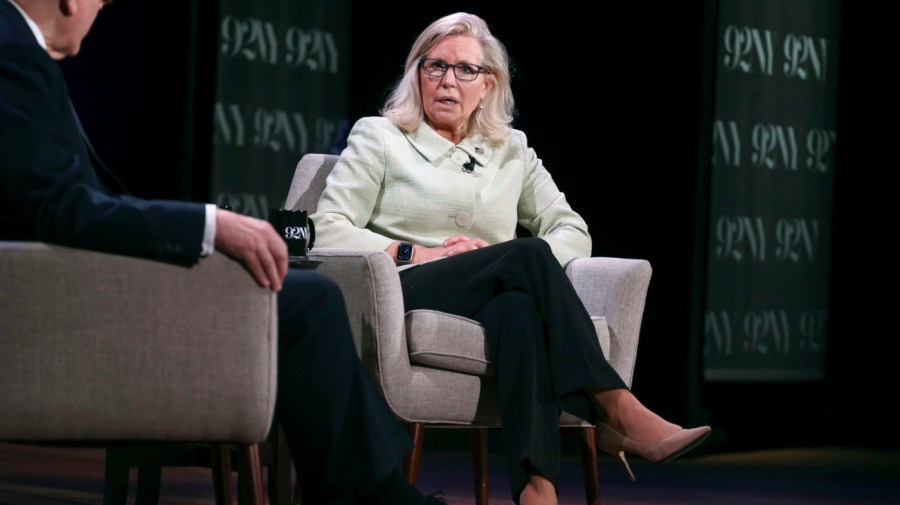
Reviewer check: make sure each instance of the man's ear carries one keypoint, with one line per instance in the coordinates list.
(68, 7)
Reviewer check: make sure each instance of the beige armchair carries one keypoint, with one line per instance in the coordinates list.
(106, 350)
(432, 366)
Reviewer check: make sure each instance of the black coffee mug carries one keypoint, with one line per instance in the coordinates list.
(296, 228)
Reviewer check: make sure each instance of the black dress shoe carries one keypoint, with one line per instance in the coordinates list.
(434, 499)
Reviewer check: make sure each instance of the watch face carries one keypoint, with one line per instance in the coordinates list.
(404, 252)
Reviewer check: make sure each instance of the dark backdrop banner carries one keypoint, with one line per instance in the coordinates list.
(771, 185)
(281, 91)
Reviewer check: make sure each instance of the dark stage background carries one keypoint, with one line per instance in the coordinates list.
(618, 104)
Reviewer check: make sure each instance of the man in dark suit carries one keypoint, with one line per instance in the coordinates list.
(343, 438)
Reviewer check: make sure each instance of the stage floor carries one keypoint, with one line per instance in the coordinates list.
(39, 475)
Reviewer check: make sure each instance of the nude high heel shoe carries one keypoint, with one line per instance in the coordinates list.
(669, 448)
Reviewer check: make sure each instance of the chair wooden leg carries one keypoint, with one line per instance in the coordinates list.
(223, 485)
(587, 446)
(115, 484)
(411, 461)
(250, 475)
(480, 464)
(280, 471)
(149, 481)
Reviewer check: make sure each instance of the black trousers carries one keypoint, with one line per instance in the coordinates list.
(539, 336)
(342, 436)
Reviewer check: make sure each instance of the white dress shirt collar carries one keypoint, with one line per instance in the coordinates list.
(31, 24)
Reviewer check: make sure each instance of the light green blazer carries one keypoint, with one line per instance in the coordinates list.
(415, 187)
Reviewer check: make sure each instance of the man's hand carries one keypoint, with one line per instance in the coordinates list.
(255, 244)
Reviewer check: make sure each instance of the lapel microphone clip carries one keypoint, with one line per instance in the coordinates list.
(469, 167)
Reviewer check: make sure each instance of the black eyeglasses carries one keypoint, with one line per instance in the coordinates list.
(462, 71)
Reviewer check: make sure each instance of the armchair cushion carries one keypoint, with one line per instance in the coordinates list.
(455, 343)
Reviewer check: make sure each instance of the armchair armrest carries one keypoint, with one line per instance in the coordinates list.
(97, 346)
(617, 289)
(374, 300)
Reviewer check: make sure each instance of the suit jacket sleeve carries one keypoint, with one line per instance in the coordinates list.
(346, 206)
(50, 190)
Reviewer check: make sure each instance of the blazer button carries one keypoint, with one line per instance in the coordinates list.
(463, 219)
(459, 157)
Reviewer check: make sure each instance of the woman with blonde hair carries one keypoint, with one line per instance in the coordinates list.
(440, 182)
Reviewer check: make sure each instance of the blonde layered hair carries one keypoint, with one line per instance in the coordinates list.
(493, 119)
